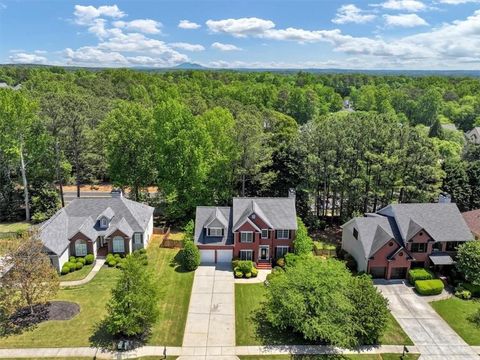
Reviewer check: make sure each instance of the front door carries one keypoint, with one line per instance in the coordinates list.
(264, 253)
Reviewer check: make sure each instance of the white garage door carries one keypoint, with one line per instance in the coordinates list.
(207, 256)
(224, 256)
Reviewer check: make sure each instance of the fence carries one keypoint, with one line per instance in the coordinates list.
(169, 243)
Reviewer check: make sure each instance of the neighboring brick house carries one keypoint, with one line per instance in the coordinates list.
(403, 236)
(472, 218)
(96, 226)
(257, 229)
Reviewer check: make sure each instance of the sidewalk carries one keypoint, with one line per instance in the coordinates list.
(98, 265)
(212, 352)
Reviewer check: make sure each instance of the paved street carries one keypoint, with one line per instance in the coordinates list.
(433, 337)
(211, 314)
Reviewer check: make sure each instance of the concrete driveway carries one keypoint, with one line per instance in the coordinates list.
(210, 328)
(429, 332)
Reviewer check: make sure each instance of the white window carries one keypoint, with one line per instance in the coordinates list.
(246, 237)
(118, 244)
(103, 222)
(264, 233)
(214, 231)
(80, 248)
(246, 255)
(283, 234)
(281, 251)
(137, 238)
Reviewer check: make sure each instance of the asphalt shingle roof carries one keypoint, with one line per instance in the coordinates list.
(205, 215)
(126, 215)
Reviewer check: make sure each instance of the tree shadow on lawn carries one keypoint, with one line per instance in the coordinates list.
(270, 335)
(103, 340)
(176, 263)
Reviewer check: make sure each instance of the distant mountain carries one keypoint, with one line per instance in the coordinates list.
(189, 66)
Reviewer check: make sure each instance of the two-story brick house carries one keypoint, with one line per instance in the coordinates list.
(257, 229)
(403, 236)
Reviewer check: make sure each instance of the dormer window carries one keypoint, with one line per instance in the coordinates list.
(214, 231)
(103, 222)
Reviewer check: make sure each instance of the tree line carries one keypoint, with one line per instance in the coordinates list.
(203, 137)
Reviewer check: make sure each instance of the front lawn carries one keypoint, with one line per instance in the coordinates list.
(175, 287)
(251, 330)
(332, 357)
(14, 226)
(77, 274)
(456, 313)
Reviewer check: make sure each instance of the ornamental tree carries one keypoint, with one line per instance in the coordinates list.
(133, 307)
(303, 244)
(468, 261)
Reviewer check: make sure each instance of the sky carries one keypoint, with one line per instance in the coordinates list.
(366, 34)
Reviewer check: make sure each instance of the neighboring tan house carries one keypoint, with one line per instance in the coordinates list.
(474, 135)
(472, 218)
(257, 229)
(97, 226)
(403, 236)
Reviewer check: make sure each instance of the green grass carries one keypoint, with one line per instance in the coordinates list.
(175, 288)
(332, 357)
(78, 274)
(250, 331)
(456, 313)
(14, 226)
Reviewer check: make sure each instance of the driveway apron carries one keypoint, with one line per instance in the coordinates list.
(211, 313)
(432, 336)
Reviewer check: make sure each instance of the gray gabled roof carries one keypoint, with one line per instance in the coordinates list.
(107, 213)
(374, 232)
(81, 215)
(278, 213)
(205, 215)
(443, 222)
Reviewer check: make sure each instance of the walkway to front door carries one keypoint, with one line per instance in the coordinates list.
(432, 336)
(211, 313)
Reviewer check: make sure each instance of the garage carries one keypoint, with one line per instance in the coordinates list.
(224, 256)
(398, 273)
(207, 256)
(378, 272)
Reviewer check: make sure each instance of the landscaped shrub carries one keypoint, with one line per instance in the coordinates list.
(112, 263)
(281, 262)
(109, 257)
(254, 272)
(463, 294)
(245, 266)
(71, 265)
(419, 274)
(72, 259)
(474, 289)
(65, 269)
(238, 274)
(190, 256)
(235, 263)
(78, 265)
(80, 260)
(429, 287)
(89, 259)
(248, 275)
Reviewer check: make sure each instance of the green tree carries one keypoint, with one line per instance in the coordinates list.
(190, 256)
(133, 308)
(303, 244)
(468, 261)
(129, 141)
(188, 231)
(436, 130)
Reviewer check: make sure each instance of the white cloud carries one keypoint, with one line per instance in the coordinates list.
(26, 58)
(240, 27)
(404, 5)
(404, 20)
(85, 14)
(189, 25)
(352, 14)
(89, 55)
(147, 26)
(187, 46)
(225, 47)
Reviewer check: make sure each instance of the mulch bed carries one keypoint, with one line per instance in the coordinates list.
(23, 319)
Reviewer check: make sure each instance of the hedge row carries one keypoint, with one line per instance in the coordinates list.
(76, 263)
(419, 274)
(429, 287)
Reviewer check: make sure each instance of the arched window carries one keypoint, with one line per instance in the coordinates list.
(80, 248)
(118, 244)
(103, 222)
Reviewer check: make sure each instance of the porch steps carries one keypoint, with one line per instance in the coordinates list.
(264, 266)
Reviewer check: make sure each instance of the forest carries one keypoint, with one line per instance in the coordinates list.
(203, 137)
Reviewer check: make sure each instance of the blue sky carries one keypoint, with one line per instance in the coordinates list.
(383, 34)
